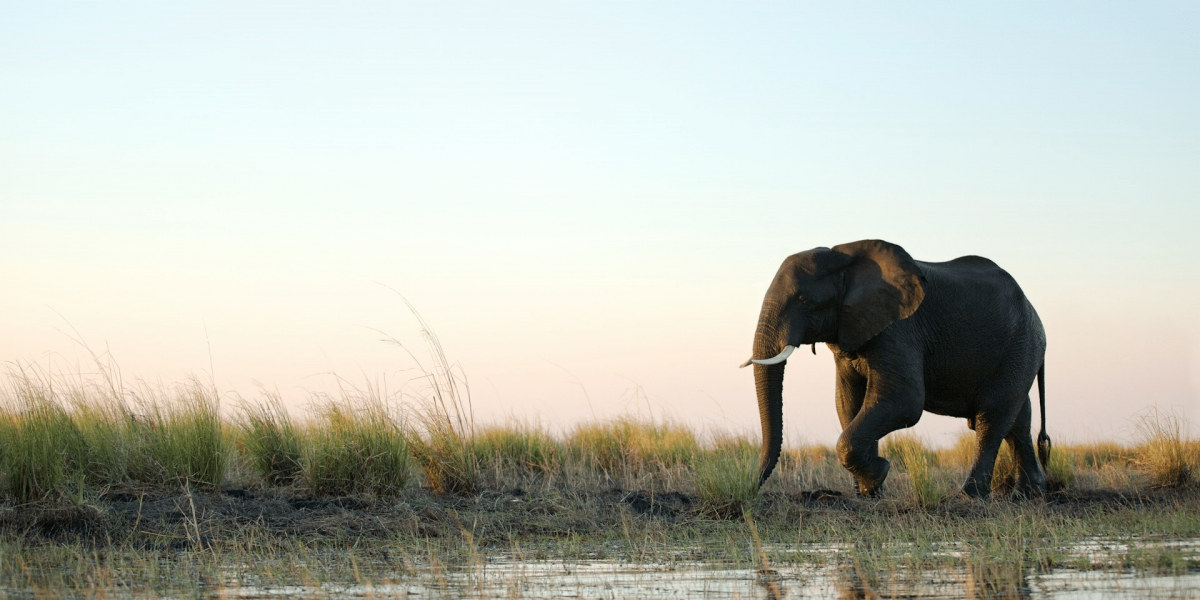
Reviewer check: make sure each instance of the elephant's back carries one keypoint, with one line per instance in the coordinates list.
(980, 331)
(974, 273)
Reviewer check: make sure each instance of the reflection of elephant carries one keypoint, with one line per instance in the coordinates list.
(956, 338)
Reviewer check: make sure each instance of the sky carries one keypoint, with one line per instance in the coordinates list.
(586, 201)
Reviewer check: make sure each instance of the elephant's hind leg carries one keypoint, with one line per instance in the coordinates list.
(1029, 481)
(990, 430)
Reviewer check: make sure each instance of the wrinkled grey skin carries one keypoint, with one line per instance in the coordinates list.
(955, 338)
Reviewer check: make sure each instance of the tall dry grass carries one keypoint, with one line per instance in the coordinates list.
(1163, 449)
(70, 438)
(442, 440)
(625, 447)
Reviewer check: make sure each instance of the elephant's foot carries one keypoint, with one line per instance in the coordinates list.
(870, 480)
(1030, 487)
(976, 488)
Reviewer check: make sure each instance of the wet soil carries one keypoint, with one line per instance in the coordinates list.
(184, 519)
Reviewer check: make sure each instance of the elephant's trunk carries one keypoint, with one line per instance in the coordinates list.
(768, 381)
(773, 335)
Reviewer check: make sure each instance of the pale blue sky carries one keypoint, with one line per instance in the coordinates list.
(592, 193)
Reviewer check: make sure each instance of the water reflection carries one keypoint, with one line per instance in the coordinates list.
(996, 580)
(610, 579)
(1097, 569)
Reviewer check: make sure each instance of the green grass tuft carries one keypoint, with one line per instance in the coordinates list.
(910, 454)
(43, 451)
(272, 440)
(520, 447)
(355, 445)
(181, 436)
(727, 477)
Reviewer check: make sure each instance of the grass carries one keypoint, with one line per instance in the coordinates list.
(66, 447)
(182, 434)
(913, 458)
(43, 451)
(522, 448)
(727, 477)
(443, 440)
(626, 447)
(1163, 449)
(63, 437)
(272, 441)
(355, 444)
(111, 490)
(63, 440)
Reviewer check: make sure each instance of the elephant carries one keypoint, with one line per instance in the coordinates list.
(956, 338)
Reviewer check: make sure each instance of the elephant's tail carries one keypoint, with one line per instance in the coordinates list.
(1043, 443)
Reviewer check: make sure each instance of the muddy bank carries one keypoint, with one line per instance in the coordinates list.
(157, 518)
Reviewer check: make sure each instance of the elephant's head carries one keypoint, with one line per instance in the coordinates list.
(844, 295)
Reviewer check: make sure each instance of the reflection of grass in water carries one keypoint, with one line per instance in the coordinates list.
(445, 567)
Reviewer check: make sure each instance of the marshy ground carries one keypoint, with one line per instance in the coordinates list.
(108, 491)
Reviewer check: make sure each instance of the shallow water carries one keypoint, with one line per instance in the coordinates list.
(835, 577)
(1094, 569)
(609, 579)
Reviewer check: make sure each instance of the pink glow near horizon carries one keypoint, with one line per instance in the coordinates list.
(587, 202)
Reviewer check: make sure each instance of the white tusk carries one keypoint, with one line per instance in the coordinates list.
(782, 356)
(746, 364)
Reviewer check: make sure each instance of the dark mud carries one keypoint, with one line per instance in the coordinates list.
(248, 517)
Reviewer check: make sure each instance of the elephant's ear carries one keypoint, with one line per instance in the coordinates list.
(882, 286)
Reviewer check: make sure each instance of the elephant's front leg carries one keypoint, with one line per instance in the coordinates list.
(850, 393)
(891, 402)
